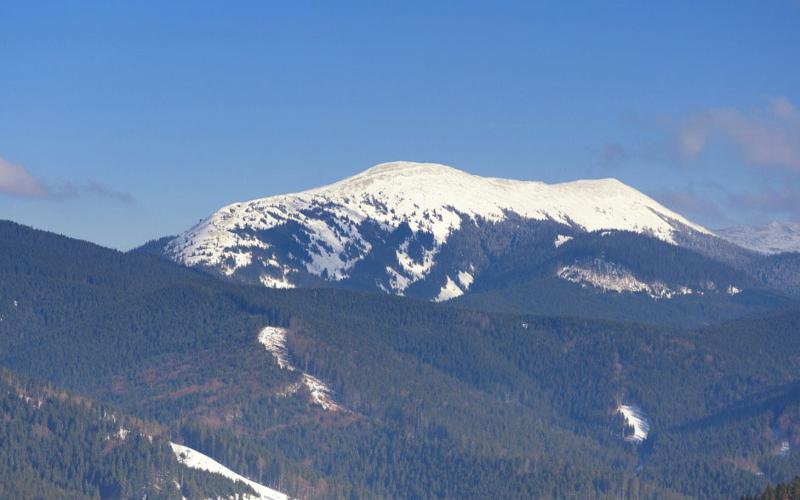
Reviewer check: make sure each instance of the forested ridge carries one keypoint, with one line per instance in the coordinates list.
(55, 444)
(440, 401)
(788, 491)
(525, 281)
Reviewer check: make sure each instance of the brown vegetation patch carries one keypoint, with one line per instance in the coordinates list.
(210, 386)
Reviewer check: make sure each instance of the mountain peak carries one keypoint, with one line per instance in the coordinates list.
(445, 185)
(412, 169)
(400, 166)
(402, 170)
(326, 231)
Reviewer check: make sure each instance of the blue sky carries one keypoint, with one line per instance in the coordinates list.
(125, 121)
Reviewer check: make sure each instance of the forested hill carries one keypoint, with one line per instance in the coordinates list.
(789, 491)
(59, 445)
(427, 400)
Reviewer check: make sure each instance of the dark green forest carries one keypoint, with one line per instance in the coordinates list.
(55, 444)
(439, 401)
(524, 281)
(789, 491)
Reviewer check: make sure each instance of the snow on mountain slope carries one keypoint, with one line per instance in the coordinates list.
(325, 232)
(449, 291)
(635, 417)
(196, 460)
(610, 276)
(560, 240)
(273, 338)
(775, 237)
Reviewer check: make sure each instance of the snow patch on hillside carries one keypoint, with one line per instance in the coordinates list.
(449, 291)
(609, 276)
(398, 282)
(320, 393)
(635, 417)
(465, 279)
(273, 338)
(196, 460)
(560, 240)
(273, 282)
(410, 269)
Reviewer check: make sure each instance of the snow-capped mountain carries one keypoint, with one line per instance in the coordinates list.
(419, 229)
(775, 237)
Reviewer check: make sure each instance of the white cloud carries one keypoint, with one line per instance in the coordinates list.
(766, 138)
(17, 181)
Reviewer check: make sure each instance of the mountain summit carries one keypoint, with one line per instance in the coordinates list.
(398, 225)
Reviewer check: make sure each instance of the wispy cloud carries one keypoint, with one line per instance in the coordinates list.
(768, 137)
(784, 201)
(760, 183)
(613, 153)
(694, 201)
(716, 206)
(16, 180)
(97, 189)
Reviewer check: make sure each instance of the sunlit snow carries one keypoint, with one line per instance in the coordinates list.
(430, 198)
(320, 393)
(465, 279)
(635, 417)
(273, 338)
(608, 276)
(412, 270)
(273, 282)
(196, 460)
(449, 291)
(560, 240)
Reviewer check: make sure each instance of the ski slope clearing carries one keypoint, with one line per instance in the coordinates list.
(635, 417)
(273, 338)
(196, 460)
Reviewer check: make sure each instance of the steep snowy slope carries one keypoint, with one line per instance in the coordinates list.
(389, 227)
(196, 460)
(775, 237)
(635, 417)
